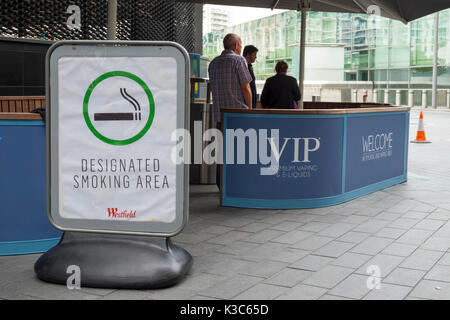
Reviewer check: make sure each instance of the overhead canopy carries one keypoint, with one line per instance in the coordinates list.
(403, 10)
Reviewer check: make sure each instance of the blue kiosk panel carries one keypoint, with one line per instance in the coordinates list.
(24, 226)
(323, 159)
(376, 149)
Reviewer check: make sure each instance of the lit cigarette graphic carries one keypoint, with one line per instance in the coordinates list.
(122, 116)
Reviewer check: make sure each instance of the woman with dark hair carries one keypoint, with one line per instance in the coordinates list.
(280, 91)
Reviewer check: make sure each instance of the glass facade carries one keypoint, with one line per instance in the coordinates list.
(383, 51)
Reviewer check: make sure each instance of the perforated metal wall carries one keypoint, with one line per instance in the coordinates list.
(137, 20)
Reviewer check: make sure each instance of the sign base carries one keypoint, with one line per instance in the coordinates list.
(114, 261)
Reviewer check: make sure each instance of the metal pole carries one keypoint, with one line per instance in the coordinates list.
(424, 99)
(448, 98)
(398, 98)
(435, 59)
(112, 19)
(301, 75)
(411, 98)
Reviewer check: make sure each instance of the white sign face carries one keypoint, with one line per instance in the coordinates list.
(116, 117)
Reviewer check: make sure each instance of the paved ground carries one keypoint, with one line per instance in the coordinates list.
(305, 254)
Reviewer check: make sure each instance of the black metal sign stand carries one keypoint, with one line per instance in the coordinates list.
(115, 261)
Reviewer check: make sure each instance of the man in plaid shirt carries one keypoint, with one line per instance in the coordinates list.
(229, 78)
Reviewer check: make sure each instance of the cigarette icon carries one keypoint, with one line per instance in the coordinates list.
(122, 116)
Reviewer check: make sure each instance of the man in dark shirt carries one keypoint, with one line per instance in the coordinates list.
(280, 91)
(249, 54)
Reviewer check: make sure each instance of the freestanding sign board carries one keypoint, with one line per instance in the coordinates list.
(112, 109)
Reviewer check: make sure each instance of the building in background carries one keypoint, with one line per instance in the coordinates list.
(215, 19)
(384, 54)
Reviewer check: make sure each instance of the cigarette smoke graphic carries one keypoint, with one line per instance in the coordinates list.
(122, 116)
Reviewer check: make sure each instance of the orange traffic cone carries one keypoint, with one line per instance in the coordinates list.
(420, 137)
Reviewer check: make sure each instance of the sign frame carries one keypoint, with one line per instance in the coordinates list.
(87, 48)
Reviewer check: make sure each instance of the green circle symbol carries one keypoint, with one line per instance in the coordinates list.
(143, 85)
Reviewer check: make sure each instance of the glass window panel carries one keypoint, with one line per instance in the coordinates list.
(363, 75)
(380, 57)
(444, 76)
(348, 62)
(422, 54)
(422, 76)
(399, 35)
(380, 75)
(399, 57)
(444, 52)
(398, 75)
(360, 59)
(392, 97)
(350, 76)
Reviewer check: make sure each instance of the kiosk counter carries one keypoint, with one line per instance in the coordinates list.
(293, 159)
(24, 226)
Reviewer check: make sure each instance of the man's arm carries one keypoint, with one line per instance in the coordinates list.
(296, 91)
(265, 94)
(247, 92)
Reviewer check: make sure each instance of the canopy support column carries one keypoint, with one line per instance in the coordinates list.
(301, 74)
(435, 59)
(112, 19)
(304, 6)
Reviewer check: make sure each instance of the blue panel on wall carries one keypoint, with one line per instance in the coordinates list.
(375, 149)
(296, 178)
(23, 214)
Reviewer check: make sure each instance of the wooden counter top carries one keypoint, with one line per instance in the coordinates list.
(318, 111)
(19, 116)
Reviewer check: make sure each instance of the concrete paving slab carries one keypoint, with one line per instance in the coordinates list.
(263, 269)
(372, 245)
(391, 233)
(303, 292)
(312, 243)
(328, 277)
(405, 277)
(334, 249)
(230, 287)
(415, 237)
(288, 277)
(399, 249)
(351, 260)
(354, 287)
(385, 263)
(436, 243)
(439, 273)
(422, 259)
(429, 289)
(292, 237)
(354, 237)
(312, 263)
(388, 292)
(261, 291)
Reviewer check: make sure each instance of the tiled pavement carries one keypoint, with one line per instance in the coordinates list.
(304, 254)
